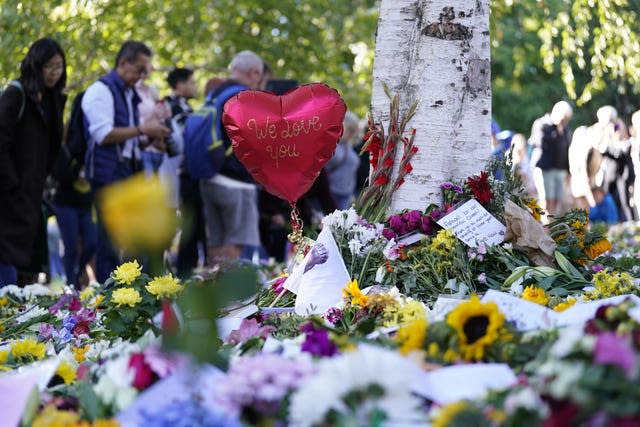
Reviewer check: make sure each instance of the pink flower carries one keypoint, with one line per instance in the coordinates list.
(163, 364)
(612, 349)
(144, 376)
(248, 329)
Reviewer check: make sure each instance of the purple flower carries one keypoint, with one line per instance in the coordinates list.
(63, 301)
(63, 336)
(436, 214)
(458, 189)
(277, 285)
(333, 315)
(447, 185)
(69, 322)
(388, 233)
(413, 218)
(597, 268)
(45, 331)
(482, 278)
(397, 224)
(612, 349)
(248, 329)
(319, 344)
(426, 225)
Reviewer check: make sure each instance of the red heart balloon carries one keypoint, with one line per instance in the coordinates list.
(284, 141)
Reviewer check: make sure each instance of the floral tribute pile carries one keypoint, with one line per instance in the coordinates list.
(547, 321)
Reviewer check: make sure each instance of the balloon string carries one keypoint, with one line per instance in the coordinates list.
(295, 236)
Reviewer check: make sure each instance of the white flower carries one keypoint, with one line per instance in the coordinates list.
(30, 313)
(114, 386)
(526, 399)
(358, 370)
(566, 342)
(355, 246)
(11, 289)
(37, 290)
(391, 250)
(341, 219)
(516, 287)
(380, 273)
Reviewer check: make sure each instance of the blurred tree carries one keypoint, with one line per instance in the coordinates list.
(584, 51)
(310, 40)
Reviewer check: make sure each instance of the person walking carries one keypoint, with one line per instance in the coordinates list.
(31, 126)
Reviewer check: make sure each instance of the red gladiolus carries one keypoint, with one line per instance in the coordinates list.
(408, 168)
(144, 376)
(388, 162)
(382, 179)
(480, 188)
(169, 320)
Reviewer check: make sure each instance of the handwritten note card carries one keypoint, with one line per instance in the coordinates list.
(472, 224)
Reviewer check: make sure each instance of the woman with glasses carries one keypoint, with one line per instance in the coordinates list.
(30, 135)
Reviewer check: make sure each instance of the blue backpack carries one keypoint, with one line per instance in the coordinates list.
(204, 151)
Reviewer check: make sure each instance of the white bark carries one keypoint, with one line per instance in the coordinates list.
(436, 51)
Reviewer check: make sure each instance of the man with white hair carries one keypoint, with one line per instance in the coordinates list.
(550, 137)
(230, 198)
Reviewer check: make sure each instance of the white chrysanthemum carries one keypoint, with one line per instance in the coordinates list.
(341, 219)
(358, 370)
(355, 247)
(567, 340)
(31, 313)
(114, 386)
(11, 289)
(37, 290)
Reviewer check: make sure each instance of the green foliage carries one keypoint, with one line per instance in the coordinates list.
(311, 40)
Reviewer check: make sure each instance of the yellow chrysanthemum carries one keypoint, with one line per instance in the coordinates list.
(448, 414)
(4, 356)
(477, 325)
(50, 416)
(353, 292)
(4, 301)
(443, 242)
(28, 348)
(565, 304)
(400, 314)
(66, 372)
(127, 272)
(411, 336)
(87, 293)
(433, 350)
(534, 294)
(598, 248)
(79, 353)
(164, 286)
(126, 296)
(136, 215)
(610, 284)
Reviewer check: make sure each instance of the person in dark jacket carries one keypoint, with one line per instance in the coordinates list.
(30, 136)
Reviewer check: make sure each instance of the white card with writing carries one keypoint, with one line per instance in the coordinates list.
(445, 385)
(442, 307)
(583, 312)
(473, 224)
(525, 314)
(411, 238)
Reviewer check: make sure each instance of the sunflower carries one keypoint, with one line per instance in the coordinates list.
(596, 249)
(66, 372)
(477, 325)
(461, 413)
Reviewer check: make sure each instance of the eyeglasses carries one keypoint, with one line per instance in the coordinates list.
(52, 68)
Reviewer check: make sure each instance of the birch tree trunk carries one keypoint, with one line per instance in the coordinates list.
(436, 51)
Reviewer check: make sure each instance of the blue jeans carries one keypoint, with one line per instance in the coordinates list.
(76, 223)
(8, 275)
(151, 162)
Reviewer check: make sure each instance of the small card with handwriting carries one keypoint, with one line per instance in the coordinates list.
(444, 385)
(473, 224)
(525, 314)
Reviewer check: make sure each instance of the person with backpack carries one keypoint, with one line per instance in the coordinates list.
(110, 107)
(229, 196)
(31, 127)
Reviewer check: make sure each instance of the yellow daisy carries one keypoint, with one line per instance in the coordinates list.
(477, 325)
(79, 353)
(127, 272)
(535, 294)
(164, 286)
(126, 296)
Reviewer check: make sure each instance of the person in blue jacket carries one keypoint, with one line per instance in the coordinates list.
(605, 209)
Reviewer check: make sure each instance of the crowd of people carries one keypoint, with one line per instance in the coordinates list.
(594, 167)
(129, 128)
